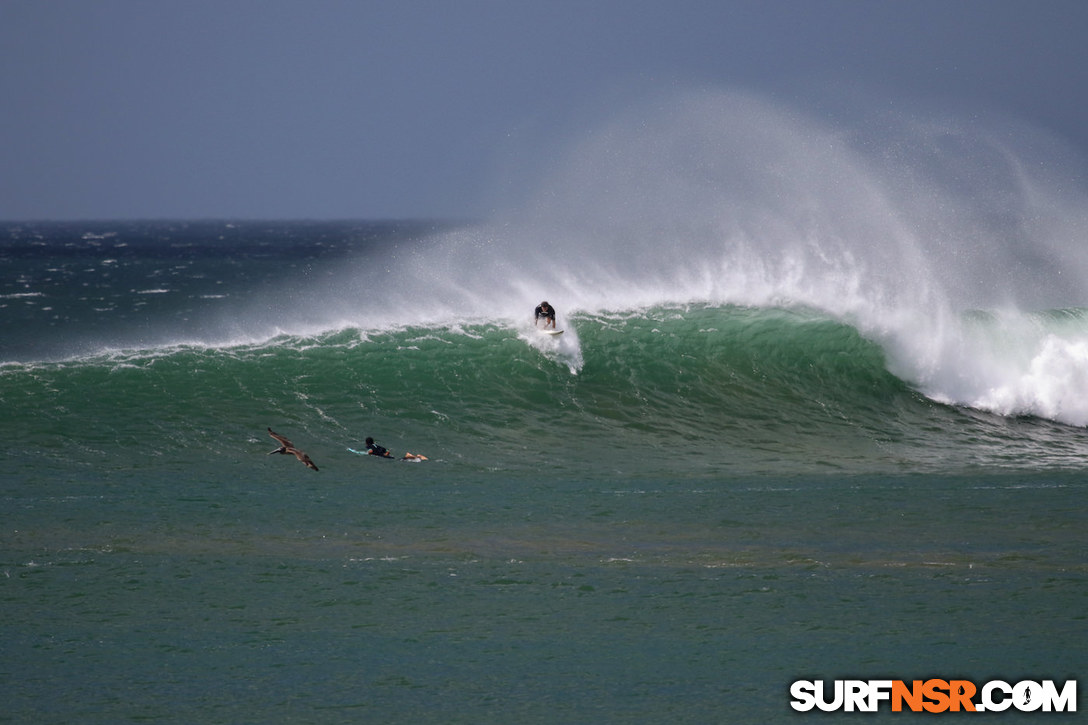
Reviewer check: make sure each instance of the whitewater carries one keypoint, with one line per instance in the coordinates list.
(950, 247)
(818, 411)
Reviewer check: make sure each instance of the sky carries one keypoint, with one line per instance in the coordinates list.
(382, 109)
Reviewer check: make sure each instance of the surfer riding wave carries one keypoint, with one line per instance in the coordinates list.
(545, 311)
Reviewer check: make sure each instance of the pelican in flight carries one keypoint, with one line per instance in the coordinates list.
(287, 447)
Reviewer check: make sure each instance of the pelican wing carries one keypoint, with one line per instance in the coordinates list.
(282, 441)
(287, 447)
(304, 458)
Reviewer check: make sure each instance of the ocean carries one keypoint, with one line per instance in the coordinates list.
(739, 466)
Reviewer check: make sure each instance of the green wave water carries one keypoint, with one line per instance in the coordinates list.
(691, 390)
(817, 412)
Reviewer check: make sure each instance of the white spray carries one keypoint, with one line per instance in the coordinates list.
(905, 229)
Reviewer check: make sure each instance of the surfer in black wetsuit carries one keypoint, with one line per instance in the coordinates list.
(547, 312)
(374, 449)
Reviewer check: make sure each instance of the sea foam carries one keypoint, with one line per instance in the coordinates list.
(901, 227)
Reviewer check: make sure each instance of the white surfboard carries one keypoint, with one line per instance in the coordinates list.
(553, 333)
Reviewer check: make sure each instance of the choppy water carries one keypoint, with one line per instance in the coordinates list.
(793, 431)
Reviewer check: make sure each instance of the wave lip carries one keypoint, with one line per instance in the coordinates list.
(676, 390)
(1015, 363)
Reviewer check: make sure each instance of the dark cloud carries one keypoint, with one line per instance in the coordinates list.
(237, 108)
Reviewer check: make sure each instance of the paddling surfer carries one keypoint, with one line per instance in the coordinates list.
(373, 449)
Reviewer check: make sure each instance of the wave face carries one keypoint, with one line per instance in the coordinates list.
(740, 285)
(817, 388)
(677, 391)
